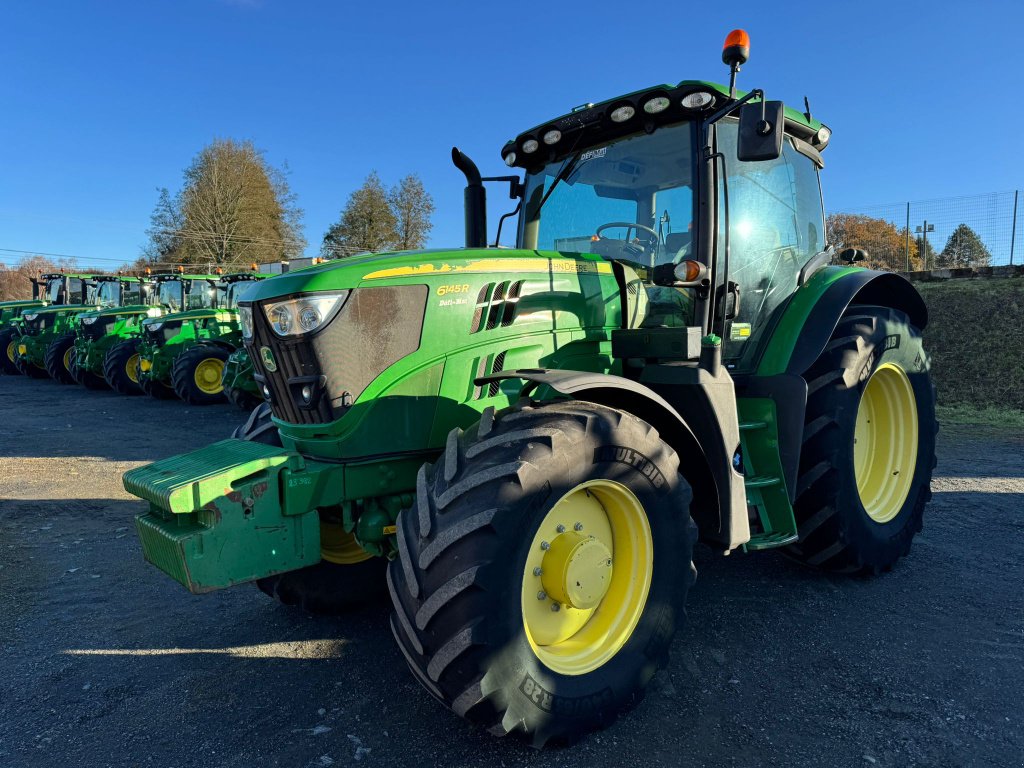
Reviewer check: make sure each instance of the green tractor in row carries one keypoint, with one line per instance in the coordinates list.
(184, 354)
(46, 289)
(529, 441)
(104, 346)
(46, 336)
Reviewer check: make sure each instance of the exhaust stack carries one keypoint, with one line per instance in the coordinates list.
(475, 200)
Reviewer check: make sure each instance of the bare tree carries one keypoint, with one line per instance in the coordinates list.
(234, 208)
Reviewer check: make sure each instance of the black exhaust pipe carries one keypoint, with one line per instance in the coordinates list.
(475, 200)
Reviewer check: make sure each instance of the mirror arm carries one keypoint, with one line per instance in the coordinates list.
(734, 105)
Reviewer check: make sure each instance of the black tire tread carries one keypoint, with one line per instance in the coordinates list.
(114, 367)
(54, 358)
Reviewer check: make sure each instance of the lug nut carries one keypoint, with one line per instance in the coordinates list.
(542, 595)
(560, 528)
(556, 607)
(537, 571)
(578, 527)
(544, 545)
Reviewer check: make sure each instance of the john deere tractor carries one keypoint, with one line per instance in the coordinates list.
(121, 309)
(11, 310)
(534, 438)
(46, 336)
(107, 346)
(183, 354)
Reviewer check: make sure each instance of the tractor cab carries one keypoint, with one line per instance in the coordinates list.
(658, 182)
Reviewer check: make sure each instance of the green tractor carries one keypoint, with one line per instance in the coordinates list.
(184, 353)
(46, 336)
(122, 305)
(106, 350)
(11, 310)
(534, 438)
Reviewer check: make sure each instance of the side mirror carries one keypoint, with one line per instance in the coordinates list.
(761, 125)
(851, 255)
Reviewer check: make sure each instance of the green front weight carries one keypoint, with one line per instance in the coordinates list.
(232, 512)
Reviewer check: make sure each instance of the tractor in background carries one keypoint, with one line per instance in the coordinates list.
(531, 440)
(46, 336)
(45, 289)
(184, 353)
(239, 381)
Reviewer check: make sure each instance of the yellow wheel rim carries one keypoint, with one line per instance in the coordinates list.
(67, 358)
(207, 376)
(587, 576)
(131, 367)
(339, 546)
(11, 349)
(885, 442)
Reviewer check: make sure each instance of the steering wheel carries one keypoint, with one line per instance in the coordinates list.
(629, 225)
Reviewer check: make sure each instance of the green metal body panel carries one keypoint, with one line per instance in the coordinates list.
(763, 474)
(784, 339)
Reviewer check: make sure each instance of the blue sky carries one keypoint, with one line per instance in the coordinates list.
(103, 102)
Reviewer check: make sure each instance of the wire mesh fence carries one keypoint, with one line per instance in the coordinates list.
(970, 231)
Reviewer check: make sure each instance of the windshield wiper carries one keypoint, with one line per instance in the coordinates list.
(567, 169)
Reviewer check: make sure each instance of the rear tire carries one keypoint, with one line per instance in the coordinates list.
(58, 358)
(470, 605)
(197, 374)
(325, 588)
(121, 367)
(857, 511)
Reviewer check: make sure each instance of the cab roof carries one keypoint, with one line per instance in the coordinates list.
(594, 120)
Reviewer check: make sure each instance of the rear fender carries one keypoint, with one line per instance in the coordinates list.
(813, 313)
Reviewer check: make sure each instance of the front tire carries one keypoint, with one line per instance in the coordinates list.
(197, 374)
(121, 367)
(509, 524)
(357, 579)
(868, 445)
(58, 358)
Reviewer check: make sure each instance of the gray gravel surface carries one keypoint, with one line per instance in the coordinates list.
(105, 661)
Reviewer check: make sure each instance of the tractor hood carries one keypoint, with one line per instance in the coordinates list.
(63, 309)
(20, 304)
(417, 266)
(226, 315)
(128, 309)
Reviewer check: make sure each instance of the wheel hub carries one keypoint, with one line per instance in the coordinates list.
(577, 570)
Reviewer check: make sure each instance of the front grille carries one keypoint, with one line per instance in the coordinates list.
(375, 328)
(37, 326)
(98, 328)
(160, 337)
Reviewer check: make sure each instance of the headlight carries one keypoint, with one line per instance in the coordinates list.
(245, 320)
(88, 320)
(304, 314)
(155, 326)
(31, 316)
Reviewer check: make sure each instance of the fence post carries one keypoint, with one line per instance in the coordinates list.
(906, 247)
(1013, 230)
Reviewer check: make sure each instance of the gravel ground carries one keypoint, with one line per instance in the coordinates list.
(104, 661)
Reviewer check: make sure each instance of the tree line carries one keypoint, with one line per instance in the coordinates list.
(235, 208)
(888, 247)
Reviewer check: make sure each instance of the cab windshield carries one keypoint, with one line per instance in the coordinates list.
(109, 294)
(169, 295)
(237, 291)
(630, 200)
(201, 295)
